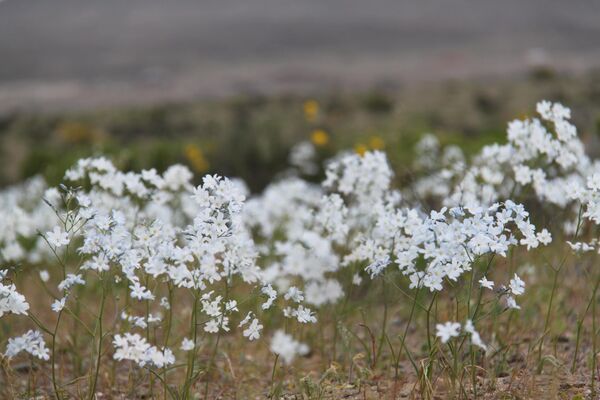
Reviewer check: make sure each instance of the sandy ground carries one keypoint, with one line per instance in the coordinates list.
(69, 53)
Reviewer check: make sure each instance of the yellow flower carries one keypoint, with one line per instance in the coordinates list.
(311, 110)
(360, 149)
(76, 132)
(319, 137)
(196, 158)
(376, 143)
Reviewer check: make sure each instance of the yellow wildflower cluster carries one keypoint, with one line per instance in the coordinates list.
(319, 137)
(311, 110)
(77, 132)
(374, 143)
(196, 158)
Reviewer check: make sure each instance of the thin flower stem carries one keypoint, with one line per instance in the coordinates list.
(594, 349)
(92, 392)
(271, 394)
(580, 324)
(552, 293)
(383, 324)
(53, 366)
(402, 344)
(214, 354)
(480, 294)
(192, 355)
(167, 336)
(547, 320)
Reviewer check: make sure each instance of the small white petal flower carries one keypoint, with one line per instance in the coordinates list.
(253, 331)
(447, 331)
(57, 237)
(44, 276)
(59, 304)
(187, 344)
(517, 286)
(486, 284)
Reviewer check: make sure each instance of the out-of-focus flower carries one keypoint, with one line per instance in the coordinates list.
(286, 347)
(311, 110)
(31, 342)
(57, 237)
(447, 331)
(376, 143)
(360, 149)
(196, 158)
(319, 137)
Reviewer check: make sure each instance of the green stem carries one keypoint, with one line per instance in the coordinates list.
(54, 381)
(410, 317)
(214, 354)
(94, 382)
(580, 324)
(383, 324)
(167, 335)
(271, 393)
(192, 355)
(547, 321)
(594, 351)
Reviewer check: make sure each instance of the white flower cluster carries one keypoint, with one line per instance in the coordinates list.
(135, 348)
(22, 215)
(542, 153)
(11, 301)
(297, 244)
(446, 242)
(147, 227)
(286, 347)
(451, 330)
(31, 342)
(302, 156)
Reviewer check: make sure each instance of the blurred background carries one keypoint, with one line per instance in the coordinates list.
(231, 86)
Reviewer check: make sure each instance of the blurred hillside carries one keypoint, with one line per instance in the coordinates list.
(251, 136)
(75, 54)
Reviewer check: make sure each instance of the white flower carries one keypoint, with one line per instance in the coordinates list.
(216, 324)
(294, 294)
(475, 338)
(231, 306)
(135, 348)
(253, 331)
(447, 331)
(12, 301)
(511, 303)
(31, 342)
(59, 304)
(272, 295)
(246, 319)
(375, 268)
(130, 347)
(580, 246)
(159, 358)
(140, 292)
(517, 286)
(44, 276)
(164, 303)
(544, 237)
(70, 281)
(486, 284)
(57, 237)
(305, 315)
(286, 347)
(523, 174)
(187, 344)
